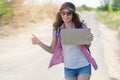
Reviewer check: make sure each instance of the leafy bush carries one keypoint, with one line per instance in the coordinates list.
(5, 11)
(116, 5)
(109, 5)
(84, 8)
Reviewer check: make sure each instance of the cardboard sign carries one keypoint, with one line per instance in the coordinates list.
(75, 36)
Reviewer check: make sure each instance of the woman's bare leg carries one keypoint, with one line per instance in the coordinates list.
(71, 79)
(84, 77)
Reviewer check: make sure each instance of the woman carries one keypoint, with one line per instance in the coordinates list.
(76, 64)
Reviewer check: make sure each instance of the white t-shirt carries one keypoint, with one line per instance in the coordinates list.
(73, 57)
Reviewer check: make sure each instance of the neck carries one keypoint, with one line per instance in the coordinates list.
(68, 25)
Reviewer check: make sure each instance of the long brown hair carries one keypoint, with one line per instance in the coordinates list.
(59, 21)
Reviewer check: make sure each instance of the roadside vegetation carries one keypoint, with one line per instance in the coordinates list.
(109, 14)
(112, 20)
(16, 14)
(13, 15)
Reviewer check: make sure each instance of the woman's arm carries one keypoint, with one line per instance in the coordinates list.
(49, 49)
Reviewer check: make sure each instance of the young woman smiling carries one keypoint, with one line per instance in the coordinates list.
(76, 65)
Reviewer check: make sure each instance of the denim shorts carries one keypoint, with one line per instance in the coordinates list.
(72, 73)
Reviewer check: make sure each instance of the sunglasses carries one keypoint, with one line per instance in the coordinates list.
(66, 13)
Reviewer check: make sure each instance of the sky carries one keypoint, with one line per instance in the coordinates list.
(89, 3)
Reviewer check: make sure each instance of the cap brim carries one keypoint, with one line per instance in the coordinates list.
(67, 8)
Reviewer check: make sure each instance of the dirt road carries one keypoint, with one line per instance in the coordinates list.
(20, 60)
(96, 47)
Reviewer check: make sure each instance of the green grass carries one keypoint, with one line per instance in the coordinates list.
(111, 19)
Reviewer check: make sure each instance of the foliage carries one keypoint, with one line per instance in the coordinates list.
(47, 11)
(5, 11)
(116, 5)
(84, 7)
(109, 5)
(112, 20)
(26, 15)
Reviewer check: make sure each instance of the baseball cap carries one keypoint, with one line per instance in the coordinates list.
(68, 5)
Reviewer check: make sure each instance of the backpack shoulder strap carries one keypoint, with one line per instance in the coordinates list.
(58, 32)
(84, 26)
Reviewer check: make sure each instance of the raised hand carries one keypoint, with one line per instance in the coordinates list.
(90, 37)
(35, 40)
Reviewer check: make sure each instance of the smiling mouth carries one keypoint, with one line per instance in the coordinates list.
(66, 19)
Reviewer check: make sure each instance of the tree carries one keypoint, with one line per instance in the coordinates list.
(116, 5)
(110, 5)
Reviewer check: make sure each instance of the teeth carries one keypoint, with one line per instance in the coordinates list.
(66, 19)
